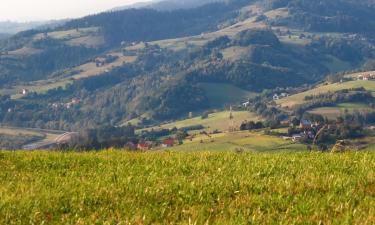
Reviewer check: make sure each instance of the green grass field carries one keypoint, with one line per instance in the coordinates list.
(245, 140)
(340, 109)
(220, 94)
(299, 98)
(111, 187)
(215, 121)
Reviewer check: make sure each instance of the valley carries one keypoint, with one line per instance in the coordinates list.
(190, 112)
(100, 71)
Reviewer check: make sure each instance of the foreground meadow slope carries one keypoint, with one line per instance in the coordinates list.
(190, 188)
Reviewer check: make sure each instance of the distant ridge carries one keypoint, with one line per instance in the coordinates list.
(167, 5)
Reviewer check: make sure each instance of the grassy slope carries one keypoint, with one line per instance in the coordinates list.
(299, 98)
(214, 121)
(333, 112)
(220, 95)
(187, 188)
(248, 141)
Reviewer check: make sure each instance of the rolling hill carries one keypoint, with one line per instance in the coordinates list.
(127, 63)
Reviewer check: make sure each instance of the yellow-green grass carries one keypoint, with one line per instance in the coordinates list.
(24, 51)
(215, 121)
(182, 43)
(47, 136)
(220, 94)
(39, 87)
(19, 132)
(235, 52)
(89, 41)
(90, 69)
(340, 109)
(298, 99)
(244, 140)
(111, 187)
(68, 34)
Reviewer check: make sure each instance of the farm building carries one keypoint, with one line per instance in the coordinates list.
(25, 91)
(368, 76)
(130, 146)
(297, 137)
(305, 124)
(168, 143)
(144, 146)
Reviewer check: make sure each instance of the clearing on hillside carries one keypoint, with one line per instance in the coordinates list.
(220, 94)
(299, 99)
(215, 121)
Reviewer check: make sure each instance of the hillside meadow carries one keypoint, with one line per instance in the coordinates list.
(116, 187)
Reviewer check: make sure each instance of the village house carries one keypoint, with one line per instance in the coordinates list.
(130, 146)
(73, 102)
(168, 143)
(284, 95)
(144, 146)
(297, 137)
(246, 104)
(280, 96)
(25, 91)
(305, 125)
(368, 76)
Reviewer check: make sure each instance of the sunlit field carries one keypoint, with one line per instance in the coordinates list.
(115, 187)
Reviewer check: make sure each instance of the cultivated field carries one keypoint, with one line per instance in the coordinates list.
(111, 187)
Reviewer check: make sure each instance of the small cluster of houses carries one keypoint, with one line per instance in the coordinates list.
(148, 145)
(279, 96)
(59, 105)
(275, 98)
(367, 76)
(26, 92)
(307, 129)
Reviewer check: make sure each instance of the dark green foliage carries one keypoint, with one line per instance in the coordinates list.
(251, 125)
(353, 51)
(176, 100)
(256, 37)
(104, 137)
(247, 75)
(327, 16)
(147, 24)
(220, 42)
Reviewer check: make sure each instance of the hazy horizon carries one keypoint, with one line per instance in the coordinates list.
(41, 10)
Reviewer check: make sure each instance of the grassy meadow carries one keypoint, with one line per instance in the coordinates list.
(114, 187)
(243, 140)
(298, 99)
(340, 109)
(215, 121)
(220, 94)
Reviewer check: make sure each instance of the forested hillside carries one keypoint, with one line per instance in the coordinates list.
(115, 66)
